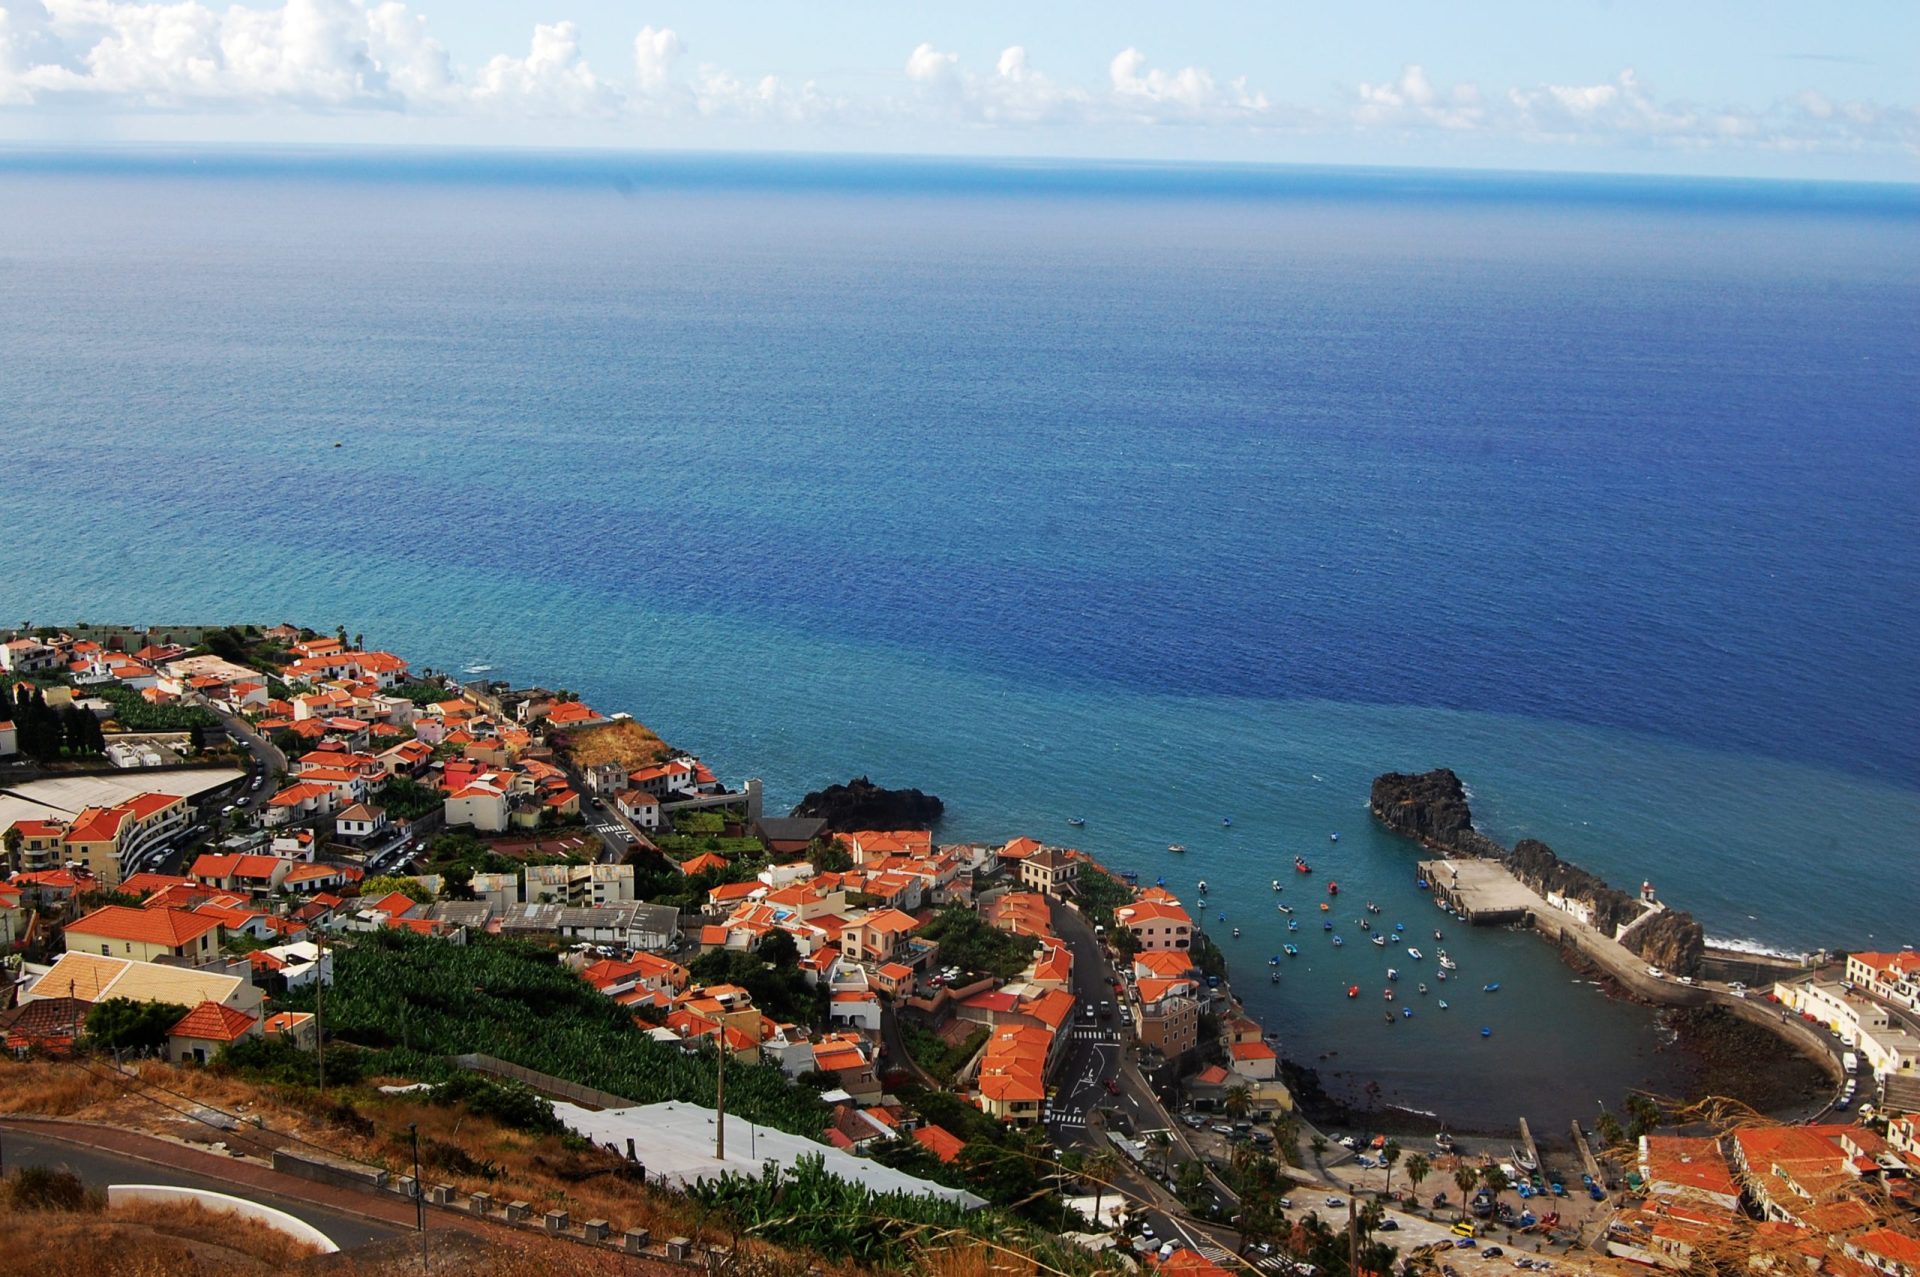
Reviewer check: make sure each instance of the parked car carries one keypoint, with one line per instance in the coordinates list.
(1221, 1128)
(1286, 1203)
(1463, 1243)
(1194, 1120)
(1492, 1252)
(1335, 1202)
(1464, 1229)
(1113, 1086)
(1389, 1225)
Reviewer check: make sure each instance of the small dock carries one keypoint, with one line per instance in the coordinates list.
(1481, 891)
(1588, 1161)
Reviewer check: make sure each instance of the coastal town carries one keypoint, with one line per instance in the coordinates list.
(264, 851)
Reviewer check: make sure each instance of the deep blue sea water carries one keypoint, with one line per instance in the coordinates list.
(1149, 495)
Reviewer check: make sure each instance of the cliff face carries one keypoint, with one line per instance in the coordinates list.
(861, 804)
(1432, 808)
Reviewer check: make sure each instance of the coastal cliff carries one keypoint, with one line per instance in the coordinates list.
(861, 804)
(1432, 808)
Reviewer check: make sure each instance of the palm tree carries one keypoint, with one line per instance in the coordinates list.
(1388, 1156)
(1464, 1179)
(1162, 1143)
(1099, 1167)
(1496, 1181)
(11, 842)
(1238, 1101)
(1417, 1168)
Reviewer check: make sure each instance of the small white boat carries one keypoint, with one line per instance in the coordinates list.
(1236, 933)
(1443, 1004)
(1176, 847)
(1276, 884)
(1441, 974)
(1076, 821)
(1286, 908)
(1415, 954)
(1333, 837)
(1381, 941)
(1393, 973)
(1203, 885)
(475, 669)
(1448, 964)
(1423, 986)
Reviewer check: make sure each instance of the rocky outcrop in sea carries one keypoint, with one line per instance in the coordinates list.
(861, 804)
(1432, 808)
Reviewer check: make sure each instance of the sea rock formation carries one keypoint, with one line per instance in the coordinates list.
(1432, 808)
(861, 804)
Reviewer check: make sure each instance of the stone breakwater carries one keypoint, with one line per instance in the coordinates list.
(1432, 808)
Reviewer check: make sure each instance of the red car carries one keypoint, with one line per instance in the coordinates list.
(1113, 1086)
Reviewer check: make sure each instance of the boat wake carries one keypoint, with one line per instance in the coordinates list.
(1756, 947)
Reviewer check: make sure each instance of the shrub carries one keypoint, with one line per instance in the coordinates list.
(44, 1188)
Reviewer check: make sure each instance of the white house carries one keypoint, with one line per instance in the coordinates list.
(481, 805)
(638, 806)
(360, 822)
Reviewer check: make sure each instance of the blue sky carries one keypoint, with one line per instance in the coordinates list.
(1788, 90)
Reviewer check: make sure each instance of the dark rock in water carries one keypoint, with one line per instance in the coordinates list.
(1432, 808)
(1673, 940)
(861, 804)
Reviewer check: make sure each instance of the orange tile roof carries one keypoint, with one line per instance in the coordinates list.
(889, 921)
(212, 1022)
(939, 1141)
(171, 927)
(1253, 1051)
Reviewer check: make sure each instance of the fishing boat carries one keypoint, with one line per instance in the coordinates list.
(1372, 907)
(1333, 837)
(1446, 963)
(1399, 926)
(1381, 941)
(1276, 884)
(1523, 1161)
(1393, 973)
(1176, 848)
(1420, 883)
(1441, 974)
(1301, 866)
(1077, 821)
(1406, 1013)
(1437, 935)
(1203, 886)
(1387, 994)
(1236, 933)
(1353, 990)
(1333, 888)
(1291, 950)
(1286, 908)
(1388, 1017)
(1226, 820)
(1324, 906)
(1485, 1032)
(1490, 988)
(1443, 1142)
(1423, 986)
(1130, 876)
(1275, 977)
(1443, 1004)
(1415, 954)
(1292, 925)
(1364, 924)
(1337, 942)
(1274, 961)
(1326, 924)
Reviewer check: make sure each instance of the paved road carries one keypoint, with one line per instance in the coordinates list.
(100, 1168)
(266, 758)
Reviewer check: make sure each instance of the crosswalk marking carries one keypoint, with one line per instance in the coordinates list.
(1067, 1119)
(1094, 1035)
(608, 829)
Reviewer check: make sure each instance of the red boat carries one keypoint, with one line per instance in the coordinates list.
(1301, 866)
(1353, 990)
(1333, 888)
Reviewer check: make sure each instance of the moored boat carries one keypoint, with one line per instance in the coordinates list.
(1337, 942)
(1381, 941)
(1443, 1004)
(1415, 954)
(1176, 848)
(1490, 988)
(1077, 821)
(1353, 990)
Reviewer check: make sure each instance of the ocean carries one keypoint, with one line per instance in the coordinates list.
(1149, 495)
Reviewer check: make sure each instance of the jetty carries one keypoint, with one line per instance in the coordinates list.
(1593, 1166)
(1483, 892)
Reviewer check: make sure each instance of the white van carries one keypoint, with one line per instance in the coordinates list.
(1850, 1062)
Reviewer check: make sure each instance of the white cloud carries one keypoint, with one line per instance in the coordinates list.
(1188, 93)
(654, 53)
(553, 79)
(1413, 100)
(928, 65)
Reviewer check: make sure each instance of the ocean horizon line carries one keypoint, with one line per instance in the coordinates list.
(627, 169)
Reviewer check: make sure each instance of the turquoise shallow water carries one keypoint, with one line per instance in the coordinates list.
(1145, 503)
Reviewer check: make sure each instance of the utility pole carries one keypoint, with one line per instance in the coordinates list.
(319, 1001)
(720, 1097)
(1353, 1239)
(419, 1194)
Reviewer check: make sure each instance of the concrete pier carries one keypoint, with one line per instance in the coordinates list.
(1532, 1149)
(1481, 891)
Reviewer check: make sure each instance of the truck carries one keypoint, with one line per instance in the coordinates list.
(1850, 1062)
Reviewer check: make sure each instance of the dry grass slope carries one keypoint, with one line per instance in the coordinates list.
(629, 743)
